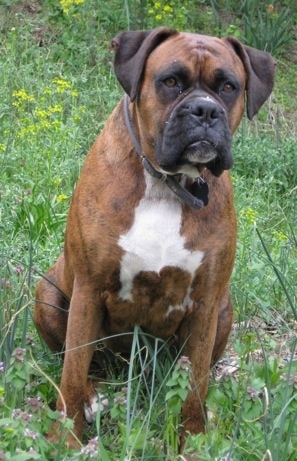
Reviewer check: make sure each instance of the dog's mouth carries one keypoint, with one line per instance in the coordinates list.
(199, 153)
(195, 136)
(193, 160)
(202, 151)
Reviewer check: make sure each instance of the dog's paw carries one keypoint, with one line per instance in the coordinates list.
(98, 402)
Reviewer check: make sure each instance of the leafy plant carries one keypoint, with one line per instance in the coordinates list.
(257, 24)
(254, 408)
(163, 12)
(179, 385)
(270, 30)
(21, 415)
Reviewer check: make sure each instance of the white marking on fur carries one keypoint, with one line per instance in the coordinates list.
(191, 170)
(177, 307)
(154, 240)
(97, 402)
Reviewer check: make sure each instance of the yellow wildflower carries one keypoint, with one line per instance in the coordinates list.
(30, 129)
(280, 235)
(62, 84)
(250, 215)
(167, 9)
(21, 96)
(61, 198)
(56, 124)
(67, 4)
(55, 109)
(44, 124)
(41, 113)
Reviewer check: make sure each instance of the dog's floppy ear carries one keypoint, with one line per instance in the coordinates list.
(131, 52)
(260, 69)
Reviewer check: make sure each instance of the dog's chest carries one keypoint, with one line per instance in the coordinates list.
(156, 269)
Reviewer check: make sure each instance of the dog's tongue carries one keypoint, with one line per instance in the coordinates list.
(200, 190)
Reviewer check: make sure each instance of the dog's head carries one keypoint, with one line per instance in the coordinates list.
(189, 95)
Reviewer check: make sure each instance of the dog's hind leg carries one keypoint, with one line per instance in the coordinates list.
(51, 308)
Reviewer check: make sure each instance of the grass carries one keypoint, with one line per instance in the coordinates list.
(57, 88)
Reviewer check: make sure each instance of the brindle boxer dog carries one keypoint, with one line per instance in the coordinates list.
(143, 246)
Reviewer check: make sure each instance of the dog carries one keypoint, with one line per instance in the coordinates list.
(151, 230)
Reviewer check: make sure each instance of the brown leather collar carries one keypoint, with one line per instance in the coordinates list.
(195, 201)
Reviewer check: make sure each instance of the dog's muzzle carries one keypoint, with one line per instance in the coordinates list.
(195, 135)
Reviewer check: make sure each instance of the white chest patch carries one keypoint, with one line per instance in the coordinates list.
(154, 240)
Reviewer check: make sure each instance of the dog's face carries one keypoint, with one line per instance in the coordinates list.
(197, 98)
(189, 93)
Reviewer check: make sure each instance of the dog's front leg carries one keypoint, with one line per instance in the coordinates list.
(83, 329)
(198, 334)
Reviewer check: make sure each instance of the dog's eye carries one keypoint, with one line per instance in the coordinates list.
(228, 88)
(170, 82)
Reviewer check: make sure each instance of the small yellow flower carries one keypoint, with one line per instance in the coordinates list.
(250, 215)
(2, 148)
(30, 129)
(55, 109)
(9, 429)
(280, 236)
(57, 181)
(167, 9)
(62, 84)
(159, 17)
(157, 5)
(67, 4)
(61, 198)
(41, 113)
(56, 124)
(22, 95)
(74, 93)
(44, 124)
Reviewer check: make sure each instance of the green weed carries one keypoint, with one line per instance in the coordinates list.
(258, 24)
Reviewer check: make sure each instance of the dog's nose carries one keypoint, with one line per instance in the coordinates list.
(206, 111)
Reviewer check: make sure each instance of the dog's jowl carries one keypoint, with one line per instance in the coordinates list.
(151, 230)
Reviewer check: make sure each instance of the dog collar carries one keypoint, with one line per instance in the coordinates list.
(199, 196)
